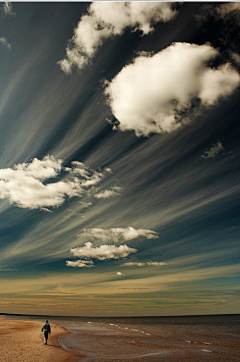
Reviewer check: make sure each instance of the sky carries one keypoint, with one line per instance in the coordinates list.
(119, 158)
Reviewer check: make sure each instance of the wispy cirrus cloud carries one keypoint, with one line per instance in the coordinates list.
(103, 252)
(105, 20)
(158, 93)
(213, 151)
(118, 234)
(7, 9)
(4, 42)
(31, 185)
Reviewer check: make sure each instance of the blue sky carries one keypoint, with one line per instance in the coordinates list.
(119, 149)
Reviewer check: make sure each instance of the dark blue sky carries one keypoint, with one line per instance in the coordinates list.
(119, 158)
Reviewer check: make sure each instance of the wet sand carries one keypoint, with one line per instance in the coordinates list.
(22, 341)
(102, 342)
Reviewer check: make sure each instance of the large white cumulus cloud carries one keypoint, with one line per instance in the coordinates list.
(156, 92)
(37, 185)
(106, 19)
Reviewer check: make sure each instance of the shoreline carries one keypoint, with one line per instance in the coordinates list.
(22, 341)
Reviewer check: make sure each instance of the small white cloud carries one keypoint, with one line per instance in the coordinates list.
(120, 274)
(142, 264)
(7, 9)
(107, 19)
(134, 263)
(158, 93)
(26, 186)
(118, 234)
(4, 42)
(80, 263)
(103, 252)
(213, 151)
(114, 191)
(131, 233)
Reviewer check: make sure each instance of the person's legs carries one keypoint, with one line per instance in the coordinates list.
(45, 337)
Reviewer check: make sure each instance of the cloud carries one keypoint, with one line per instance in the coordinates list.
(227, 8)
(120, 274)
(108, 19)
(103, 252)
(4, 42)
(80, 263)
(213, 151)
(142, 264)
(155, 263)
(26, 186)
(117, 234)
(85, 205)
(158, 93)
(108, 193)
(106, 252)
(7, 9)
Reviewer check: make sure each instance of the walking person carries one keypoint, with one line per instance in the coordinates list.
(46, 329)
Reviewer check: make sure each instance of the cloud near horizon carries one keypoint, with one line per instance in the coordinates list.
(117, 234)
(158, 93)
(105, 20)
(25, 185)
(120, 274)
(142, 264)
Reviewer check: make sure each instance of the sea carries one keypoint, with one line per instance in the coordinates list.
(151, 339)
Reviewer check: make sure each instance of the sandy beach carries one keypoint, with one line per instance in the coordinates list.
(22, 341)
(173, 339)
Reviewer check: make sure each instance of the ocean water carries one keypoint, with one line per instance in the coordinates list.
(152, 339)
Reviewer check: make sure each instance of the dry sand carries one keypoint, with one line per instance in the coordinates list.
(23, 342)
